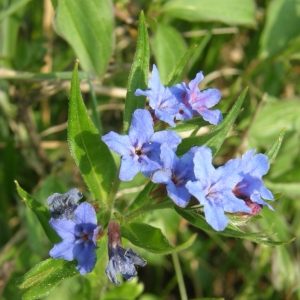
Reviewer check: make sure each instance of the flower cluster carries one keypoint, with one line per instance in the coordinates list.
(236, 187)
(77, 226)
(79, 236)
(182, 101)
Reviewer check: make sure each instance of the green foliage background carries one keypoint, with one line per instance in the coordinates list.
(236, 44)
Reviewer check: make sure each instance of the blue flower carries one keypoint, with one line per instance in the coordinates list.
(161, 99)
(193, 100)
(63, 205)
(213, 189)
(121, 261)
(175, 173)
(252, 168)
(140, 149)
(78, 238)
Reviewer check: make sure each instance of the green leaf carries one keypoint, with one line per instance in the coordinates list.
(231, 12)
(152, 238)
(138, 76)
(88, 27)
(191, 124)
(43, 277)
(276, 37)
(178, 68)
(166, 56)
(91, 155)
(273, 151)
(216, 137)
(127, 290)
(199, 221)
(274, 116)
(40, 211)
(142, 197)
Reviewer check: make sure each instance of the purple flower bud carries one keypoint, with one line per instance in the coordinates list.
(120, 260)
(255, 207)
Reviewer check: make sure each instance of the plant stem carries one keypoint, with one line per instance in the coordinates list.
(179, 276)
(112, 195)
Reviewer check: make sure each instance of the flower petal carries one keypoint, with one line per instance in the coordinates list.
(203, 167)
(215, 216)
(118, 143)
(130, 166)
(85, 214)
(207, 99)
(63, 250)
(64, 228)
(193, 85)
(167, 136)
(141, 128)
(212, 116)
(180, 195)
(86, 256)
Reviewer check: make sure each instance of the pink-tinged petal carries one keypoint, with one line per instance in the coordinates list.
(193, 85)
(207, 99)
(257, 198)
(63, 250)
(141, 128)
(118, 143)
(85, 214)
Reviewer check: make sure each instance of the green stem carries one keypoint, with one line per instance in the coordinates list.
(179, 276)
(147, 208)
(112, 195)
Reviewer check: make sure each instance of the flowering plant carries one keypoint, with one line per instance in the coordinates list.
(179, 173)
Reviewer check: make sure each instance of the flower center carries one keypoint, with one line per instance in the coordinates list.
(138, 152)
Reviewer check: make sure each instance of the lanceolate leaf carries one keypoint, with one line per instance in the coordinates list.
(138, 76)
(216, 137)
(91, 155)
(88, 27)
(275, 37)
(40, 211)
(43, 277)
(167, 46)
(232, 12)
(273, 151)
(152, 239)
(178, 68)
(198, 221)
